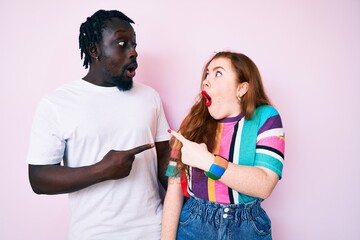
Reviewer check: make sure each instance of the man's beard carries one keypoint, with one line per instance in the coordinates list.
(121, 81)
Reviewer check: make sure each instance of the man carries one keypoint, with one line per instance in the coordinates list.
(103, 128)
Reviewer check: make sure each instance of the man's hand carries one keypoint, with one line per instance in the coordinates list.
(56, 179)
(118, 164)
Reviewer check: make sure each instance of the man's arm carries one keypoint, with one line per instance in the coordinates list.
(163, 154)
(56, 179)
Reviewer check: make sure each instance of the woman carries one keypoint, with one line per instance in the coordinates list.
(227, 159)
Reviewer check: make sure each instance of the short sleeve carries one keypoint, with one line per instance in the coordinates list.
(162, 133)
(270, 144)
(46, 145)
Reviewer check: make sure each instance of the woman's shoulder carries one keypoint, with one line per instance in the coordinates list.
(266, 110)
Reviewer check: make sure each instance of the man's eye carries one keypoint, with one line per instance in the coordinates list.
(122, 43)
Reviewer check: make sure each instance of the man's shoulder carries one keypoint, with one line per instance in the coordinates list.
(61, 92)
(65, 85)
(145, 88)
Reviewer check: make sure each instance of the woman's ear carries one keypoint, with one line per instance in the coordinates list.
(242, 89)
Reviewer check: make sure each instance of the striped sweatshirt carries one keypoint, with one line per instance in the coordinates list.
(259, 141)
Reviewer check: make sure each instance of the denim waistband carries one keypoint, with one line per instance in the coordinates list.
(234, 212)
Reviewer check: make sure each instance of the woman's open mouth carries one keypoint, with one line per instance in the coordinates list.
(207, 98)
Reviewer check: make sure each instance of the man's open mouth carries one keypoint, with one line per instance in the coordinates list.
(207, 98)
(130, 70)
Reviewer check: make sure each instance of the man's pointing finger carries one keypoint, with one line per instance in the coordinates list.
(140, 149)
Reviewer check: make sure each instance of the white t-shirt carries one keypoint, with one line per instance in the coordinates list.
(78, 124)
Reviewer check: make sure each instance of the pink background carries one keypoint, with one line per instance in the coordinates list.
(307, 51)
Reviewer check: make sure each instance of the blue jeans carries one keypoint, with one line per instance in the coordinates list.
(201, 219)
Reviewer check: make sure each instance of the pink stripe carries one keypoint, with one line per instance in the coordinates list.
(221, 191)
(274, 142)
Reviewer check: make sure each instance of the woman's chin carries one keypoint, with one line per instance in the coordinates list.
(215, 115)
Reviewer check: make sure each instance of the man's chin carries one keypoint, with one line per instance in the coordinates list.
(124, 85)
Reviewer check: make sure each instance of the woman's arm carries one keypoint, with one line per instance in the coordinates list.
(253, 181)
(172, 207)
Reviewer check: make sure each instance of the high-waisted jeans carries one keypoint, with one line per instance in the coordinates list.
(201, 219)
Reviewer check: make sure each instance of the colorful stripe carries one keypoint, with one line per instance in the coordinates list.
(211, 184)
(211, 190)
(225, 141)
(259, 141)
(171, 169)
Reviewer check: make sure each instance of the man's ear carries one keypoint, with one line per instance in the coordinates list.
(242, 89)
(94, 52)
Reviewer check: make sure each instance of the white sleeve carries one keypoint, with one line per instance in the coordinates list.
(46, 145)
(162, 133)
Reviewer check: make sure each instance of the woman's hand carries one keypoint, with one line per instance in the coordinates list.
(194, 154)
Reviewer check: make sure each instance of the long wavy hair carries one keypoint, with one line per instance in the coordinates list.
(198, 126)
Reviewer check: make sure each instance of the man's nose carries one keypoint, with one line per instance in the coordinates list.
(133, 53)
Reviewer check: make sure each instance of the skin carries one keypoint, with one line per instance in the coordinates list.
(112, 57)
(223, 88)
(113, 64)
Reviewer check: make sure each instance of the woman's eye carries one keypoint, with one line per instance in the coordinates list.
(218, 74)
(206, 75)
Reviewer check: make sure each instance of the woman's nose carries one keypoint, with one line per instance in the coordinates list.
(205, 84)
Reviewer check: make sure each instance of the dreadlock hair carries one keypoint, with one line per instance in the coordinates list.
(91, 31)
(199, 126)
